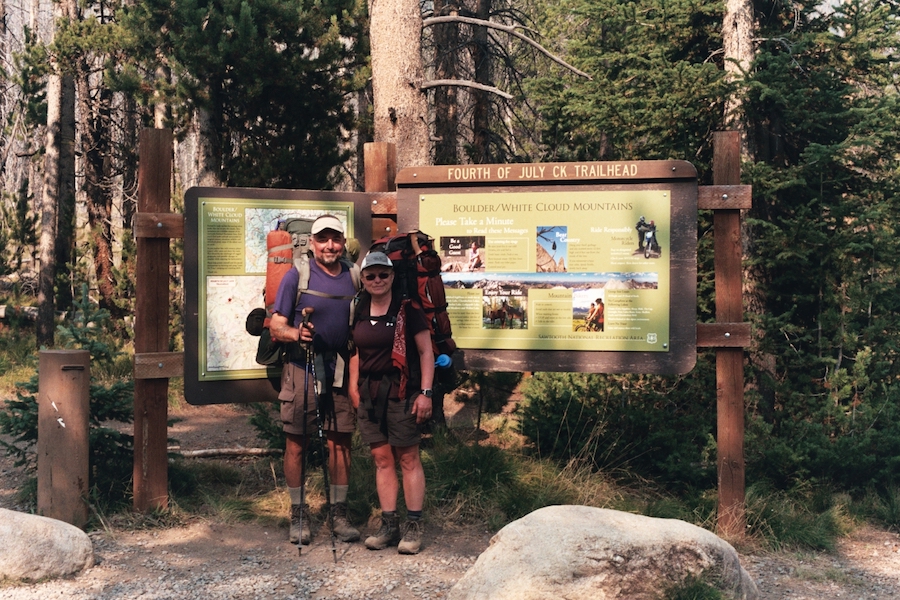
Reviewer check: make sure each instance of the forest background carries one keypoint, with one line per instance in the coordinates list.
(276, 93)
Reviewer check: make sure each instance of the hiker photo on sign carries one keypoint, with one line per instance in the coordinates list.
(462, 254)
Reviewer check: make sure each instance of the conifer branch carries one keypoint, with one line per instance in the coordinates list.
(508, 29)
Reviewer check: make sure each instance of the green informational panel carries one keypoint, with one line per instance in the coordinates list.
(554, 242)
(547, 258)
(225, 278)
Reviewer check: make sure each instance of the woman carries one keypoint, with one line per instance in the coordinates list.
(391, 390)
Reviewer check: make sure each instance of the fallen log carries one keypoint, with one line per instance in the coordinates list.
(218, 452)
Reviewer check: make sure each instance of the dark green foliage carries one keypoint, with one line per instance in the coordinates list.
(111, 455)
(491, 390)
(31, 68)
(480, 482)
(825, 249)
(650, 426)
(822, 253)
(19, 229)
(270, 76)
(656, 92)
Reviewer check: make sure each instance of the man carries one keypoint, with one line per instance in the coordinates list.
(326, 305)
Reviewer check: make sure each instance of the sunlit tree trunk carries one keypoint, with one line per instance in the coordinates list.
(49, 205)
(737, 39)
(401, 111)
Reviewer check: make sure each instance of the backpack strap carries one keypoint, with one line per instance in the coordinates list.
(301, 263)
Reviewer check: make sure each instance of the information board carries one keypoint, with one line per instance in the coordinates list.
(564, 266)
(225, 276)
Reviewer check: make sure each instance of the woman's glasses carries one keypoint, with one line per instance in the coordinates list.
(382, 275)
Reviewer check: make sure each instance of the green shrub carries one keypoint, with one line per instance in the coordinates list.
(267, 427)
(491, 389)
(649, 426)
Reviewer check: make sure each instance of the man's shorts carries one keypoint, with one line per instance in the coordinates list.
(336, 409)
(402, 430)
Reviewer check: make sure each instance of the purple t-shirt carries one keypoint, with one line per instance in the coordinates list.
(331, 316)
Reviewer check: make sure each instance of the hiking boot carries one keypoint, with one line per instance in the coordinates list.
(340, 524)
(388, 534)
(412, 537)
(300, 532)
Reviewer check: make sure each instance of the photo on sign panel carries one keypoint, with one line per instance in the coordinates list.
(462, 254)
(552, 249)
(505, 306)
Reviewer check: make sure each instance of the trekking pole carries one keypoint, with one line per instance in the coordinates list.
(310, 361)
(303, 454)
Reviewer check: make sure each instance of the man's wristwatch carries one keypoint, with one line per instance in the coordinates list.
(426, 392)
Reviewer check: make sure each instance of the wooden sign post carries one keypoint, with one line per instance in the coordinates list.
(151, 321)
(62, 446)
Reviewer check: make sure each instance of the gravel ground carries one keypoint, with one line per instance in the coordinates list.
(212, 561)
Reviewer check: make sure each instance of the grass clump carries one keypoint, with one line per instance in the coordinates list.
(693, 588)
(792, 519)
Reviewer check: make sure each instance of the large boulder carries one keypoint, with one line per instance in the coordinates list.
(585, 553)
(34, 547)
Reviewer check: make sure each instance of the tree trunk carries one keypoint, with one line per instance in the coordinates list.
(60, 124)
(65, 218)
(446, 118)
(738, 31)
(95, 143)
(481, 145)
(47, 245)
(208, 163)
(401, 110)
(737, 40)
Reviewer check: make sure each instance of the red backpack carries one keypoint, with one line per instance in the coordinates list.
(417, 276)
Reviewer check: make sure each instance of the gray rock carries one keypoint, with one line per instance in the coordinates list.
(585, 553)
(34, 547)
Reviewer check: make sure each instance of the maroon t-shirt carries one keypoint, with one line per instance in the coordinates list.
(374, 337)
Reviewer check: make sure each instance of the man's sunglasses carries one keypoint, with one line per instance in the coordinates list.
(382, 275)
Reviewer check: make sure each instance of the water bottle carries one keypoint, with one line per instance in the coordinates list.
(443, 361)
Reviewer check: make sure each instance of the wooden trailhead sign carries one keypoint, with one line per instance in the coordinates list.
(530, 252)
(521, 309)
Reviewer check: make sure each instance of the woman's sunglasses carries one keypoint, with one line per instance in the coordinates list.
(382, 275)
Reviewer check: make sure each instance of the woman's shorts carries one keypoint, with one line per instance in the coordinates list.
(402, 430)
(336, 409)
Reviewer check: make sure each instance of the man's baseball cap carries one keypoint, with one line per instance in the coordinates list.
(324, 222)
(373, 259)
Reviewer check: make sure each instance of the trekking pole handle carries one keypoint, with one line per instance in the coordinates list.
(306, 313)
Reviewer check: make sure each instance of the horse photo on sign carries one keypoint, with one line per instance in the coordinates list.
(505, 307)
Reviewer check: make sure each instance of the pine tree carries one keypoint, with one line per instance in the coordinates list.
(657, 88)
(272, 76)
